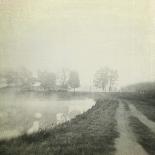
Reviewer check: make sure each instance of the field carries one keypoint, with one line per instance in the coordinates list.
(116, 124)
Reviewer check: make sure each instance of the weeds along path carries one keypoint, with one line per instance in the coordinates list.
(126, 144)
(141, 117)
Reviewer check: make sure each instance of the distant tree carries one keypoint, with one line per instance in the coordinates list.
(26, 79)
(101, 78)
(74, 81)
(12, 78)
(22, 78)
(63, 79)
(47, 80)
(113, 76)
(105, 77)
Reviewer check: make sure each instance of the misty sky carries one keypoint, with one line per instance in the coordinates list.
(79, 34)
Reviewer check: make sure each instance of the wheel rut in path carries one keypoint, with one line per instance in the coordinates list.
(150, 124)
(126, 144)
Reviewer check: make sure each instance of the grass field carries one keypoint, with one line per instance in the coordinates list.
(114, 125)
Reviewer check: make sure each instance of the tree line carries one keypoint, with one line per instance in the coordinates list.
(105, 78)
(45, 80)
(62, 81)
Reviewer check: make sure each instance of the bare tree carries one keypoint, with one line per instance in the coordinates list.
(63, 79)
(113, 76)
(101, 78)
(26, 79)
(47, 80)
(74, 81)
(105, 76)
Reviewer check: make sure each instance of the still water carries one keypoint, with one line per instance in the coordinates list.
(28, 112)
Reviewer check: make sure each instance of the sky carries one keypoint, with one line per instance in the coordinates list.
(79, 34)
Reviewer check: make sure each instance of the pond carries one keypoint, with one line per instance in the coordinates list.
(28, 112)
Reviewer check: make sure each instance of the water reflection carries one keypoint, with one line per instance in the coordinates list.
(27, 113)
(61, 118)
(34, 128)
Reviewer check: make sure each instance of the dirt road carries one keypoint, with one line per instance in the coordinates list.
(126, 144)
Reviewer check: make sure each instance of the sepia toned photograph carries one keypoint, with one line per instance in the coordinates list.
(77, 77)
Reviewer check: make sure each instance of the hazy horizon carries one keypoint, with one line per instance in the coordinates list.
(79, 34)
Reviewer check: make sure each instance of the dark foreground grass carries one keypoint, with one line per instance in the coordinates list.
(92, 133)
(144, 135)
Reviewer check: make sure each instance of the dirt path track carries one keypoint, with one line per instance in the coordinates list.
(150, 124)
(126, 144)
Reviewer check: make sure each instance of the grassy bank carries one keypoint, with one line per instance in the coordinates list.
(143, 102)
(144, 135)
(92, 133)
(147, 108)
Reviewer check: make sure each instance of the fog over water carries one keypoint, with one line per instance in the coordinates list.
(79, 34)
(29, 112)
